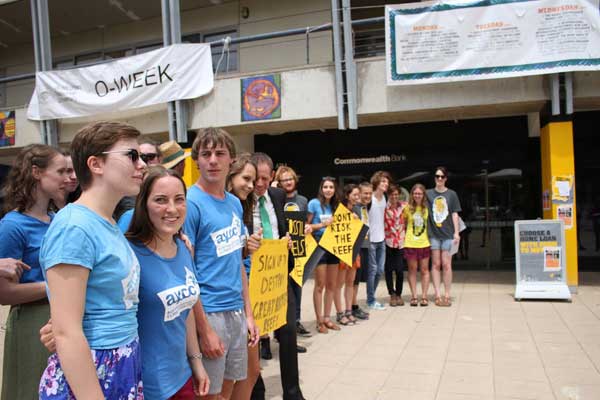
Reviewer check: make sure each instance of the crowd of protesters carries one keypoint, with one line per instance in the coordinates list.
(125, 284)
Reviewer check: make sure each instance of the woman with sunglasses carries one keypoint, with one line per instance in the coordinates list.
(93, 275)
(320, 216)
(38, 176)
(417, 249)
(443, 233)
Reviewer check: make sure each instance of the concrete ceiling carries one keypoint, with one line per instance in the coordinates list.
(70, 16)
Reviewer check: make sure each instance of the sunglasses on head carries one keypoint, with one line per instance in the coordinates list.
(328, 178)
(440, 176)
(148, 157)
(133, 154)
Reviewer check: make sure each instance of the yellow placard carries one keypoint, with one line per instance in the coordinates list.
(297, 273)
(268, 284)
(340, 236)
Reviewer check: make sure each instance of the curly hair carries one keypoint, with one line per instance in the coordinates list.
(21, 184)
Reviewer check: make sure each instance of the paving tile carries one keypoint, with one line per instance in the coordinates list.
(401, 394)
(412, 381)
(467, 378)
(522, 388)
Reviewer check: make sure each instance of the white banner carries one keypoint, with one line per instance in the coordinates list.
(177, 72)
(461, 40)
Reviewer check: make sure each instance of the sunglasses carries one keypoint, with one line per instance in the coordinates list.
(148, 157)
(328, 178)
(440, 176)
(133, 154)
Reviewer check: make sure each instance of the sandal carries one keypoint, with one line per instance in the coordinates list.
(321, 328)
(342, 319)
(424, 302)
(351, 319)
(414, 302)
(330, 325)
(439, 302)
(447, 302)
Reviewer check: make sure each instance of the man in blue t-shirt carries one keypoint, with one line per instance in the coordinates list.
(214, 225)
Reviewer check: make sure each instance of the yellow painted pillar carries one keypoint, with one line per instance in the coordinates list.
(558, 164)
(190, 172)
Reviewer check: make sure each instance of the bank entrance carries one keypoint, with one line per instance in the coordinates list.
(494, 167)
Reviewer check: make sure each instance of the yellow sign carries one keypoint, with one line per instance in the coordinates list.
(297, 273)
(268, 284)
(340, 236)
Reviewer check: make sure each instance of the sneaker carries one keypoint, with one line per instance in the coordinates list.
(301, 330)
(376, 306)
(360, 314)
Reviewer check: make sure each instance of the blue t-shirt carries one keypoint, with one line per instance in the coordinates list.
(21, 238)
(168, 290)
(125, 220)
(314, 208)
(215, 228)
(79, 236)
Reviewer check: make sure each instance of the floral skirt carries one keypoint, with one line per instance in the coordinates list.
(119, 373)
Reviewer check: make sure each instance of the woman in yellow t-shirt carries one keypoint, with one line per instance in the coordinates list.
(417, 249)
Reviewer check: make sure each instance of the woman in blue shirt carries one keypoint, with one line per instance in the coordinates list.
(171, 360)
(320, 214)
(38, 175)
(93, 275)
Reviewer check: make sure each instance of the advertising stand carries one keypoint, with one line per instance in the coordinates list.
(541, 260)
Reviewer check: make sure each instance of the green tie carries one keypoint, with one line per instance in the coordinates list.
(264, 219)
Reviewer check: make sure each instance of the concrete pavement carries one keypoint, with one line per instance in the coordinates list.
(486, 346)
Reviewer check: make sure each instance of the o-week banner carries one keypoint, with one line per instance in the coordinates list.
(176, 72)
(460, 40)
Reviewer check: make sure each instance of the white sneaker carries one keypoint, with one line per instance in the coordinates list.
(376, 306)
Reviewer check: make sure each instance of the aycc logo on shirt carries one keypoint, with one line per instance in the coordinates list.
(180, 298)
(228, 239)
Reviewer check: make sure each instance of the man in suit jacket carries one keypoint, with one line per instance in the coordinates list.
(268, 215)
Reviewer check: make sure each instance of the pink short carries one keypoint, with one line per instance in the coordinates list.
(417, 254)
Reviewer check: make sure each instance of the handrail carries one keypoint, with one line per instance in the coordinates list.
(218, 43)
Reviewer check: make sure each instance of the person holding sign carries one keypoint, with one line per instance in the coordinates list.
(320, 216)
(287, 179)
(417, 248)
(444, 231)
(214, 224)
(347, 273)
(268, 215)
(394, 245)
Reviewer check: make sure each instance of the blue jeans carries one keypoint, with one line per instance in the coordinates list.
(376, 267)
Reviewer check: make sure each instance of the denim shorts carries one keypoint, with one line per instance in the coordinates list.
(440, 244)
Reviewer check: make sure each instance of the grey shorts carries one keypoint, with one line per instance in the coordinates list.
(440, 244)
(233, 365)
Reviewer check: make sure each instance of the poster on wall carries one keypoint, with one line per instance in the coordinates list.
(458, 40)
(562, 189)
(565, 214)
(7, 128)
(261, 97)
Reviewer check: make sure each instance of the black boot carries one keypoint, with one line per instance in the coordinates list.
(265, 349)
